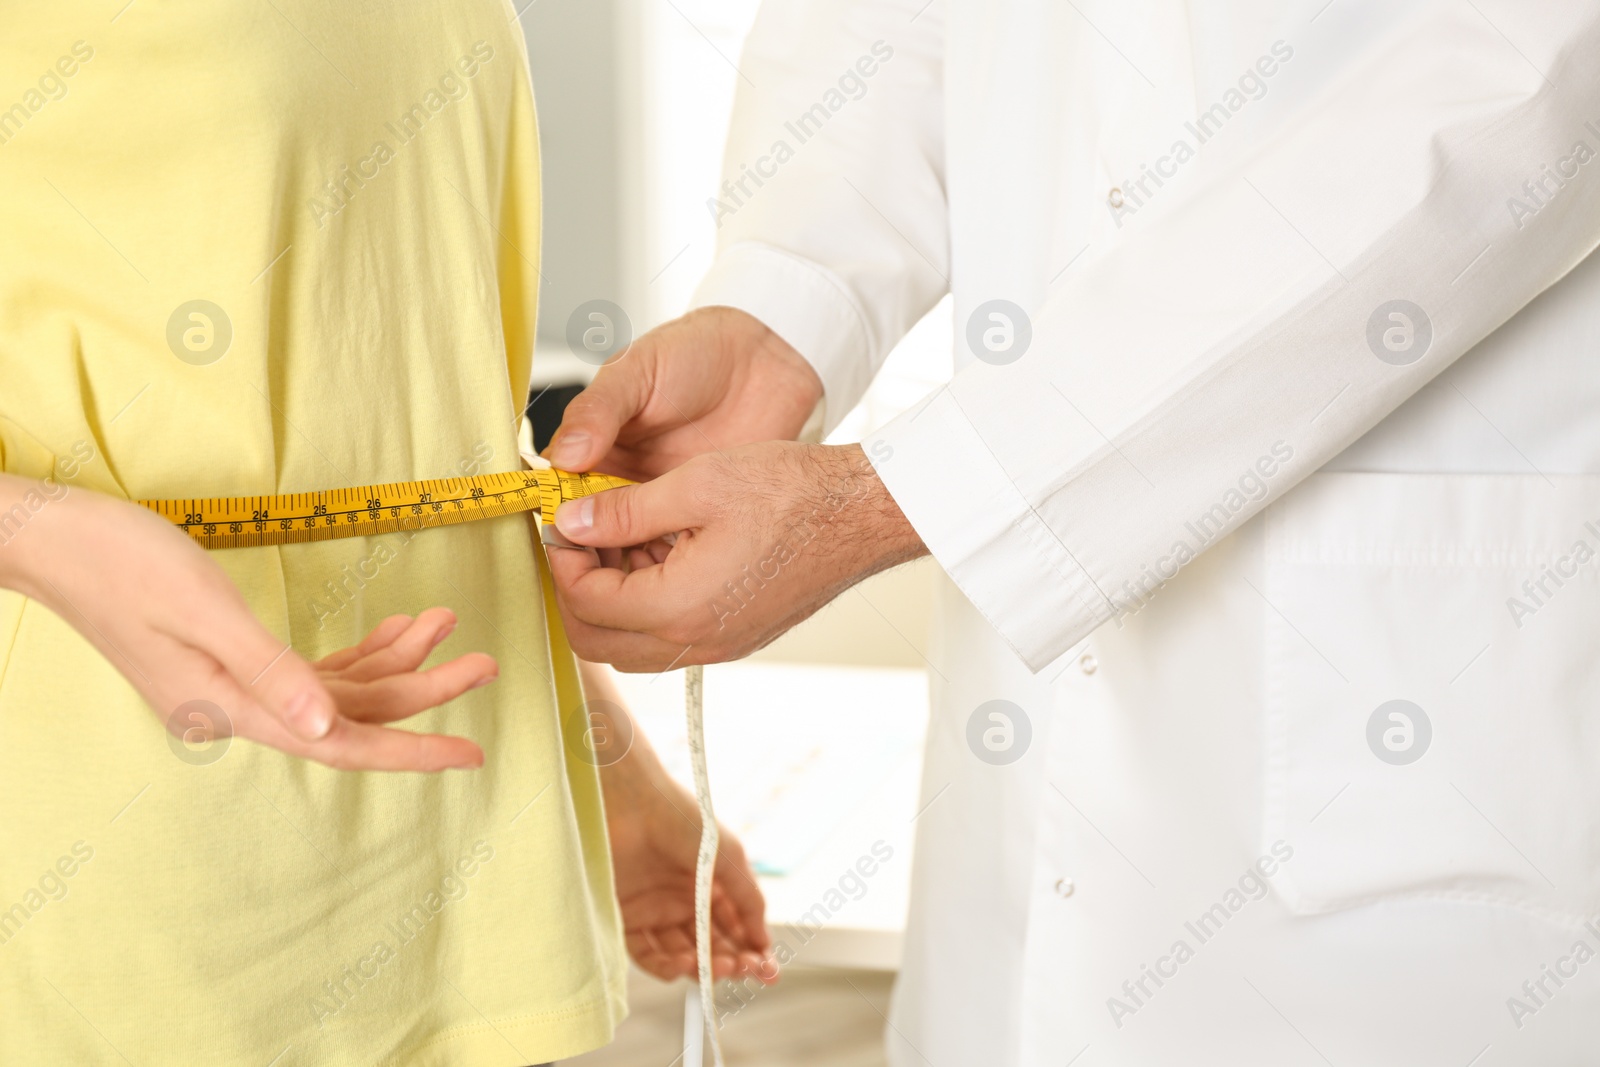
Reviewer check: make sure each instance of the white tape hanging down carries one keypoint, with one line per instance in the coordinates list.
(705, 864)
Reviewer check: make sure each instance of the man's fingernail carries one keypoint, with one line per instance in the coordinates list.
(481, 682)
(308, 718)
(571, 449)
(449, 628)
(575, 516)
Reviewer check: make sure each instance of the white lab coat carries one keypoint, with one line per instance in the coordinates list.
(1307, 423)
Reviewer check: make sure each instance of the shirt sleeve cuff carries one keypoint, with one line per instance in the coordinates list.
(805, 304)
(984, 533)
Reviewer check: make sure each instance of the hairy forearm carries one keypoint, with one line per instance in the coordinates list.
(767, 534)
(875, 532)
(836, 516)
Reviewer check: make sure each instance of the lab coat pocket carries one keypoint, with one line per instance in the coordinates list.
(1432, 690)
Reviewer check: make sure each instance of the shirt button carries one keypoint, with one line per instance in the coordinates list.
(1115, 197)
(1087, 663)
(1065, 888)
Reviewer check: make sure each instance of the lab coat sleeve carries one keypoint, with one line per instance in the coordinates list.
(1241, 332)
(832, 217)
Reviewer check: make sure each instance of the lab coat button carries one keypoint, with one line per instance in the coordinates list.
(1064, 887)
(1087, 663)
(1115, 197)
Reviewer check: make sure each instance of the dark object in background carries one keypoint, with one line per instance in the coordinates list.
(545, 408)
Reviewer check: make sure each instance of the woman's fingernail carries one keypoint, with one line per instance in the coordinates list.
(481, 682)
(570, 450)
(575, 516)
(308, 718)
(448, 629)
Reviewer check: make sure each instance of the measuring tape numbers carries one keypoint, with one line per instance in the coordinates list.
(360, 511)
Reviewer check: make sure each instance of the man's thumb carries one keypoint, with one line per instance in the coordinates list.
(631, 515)
(590, 424)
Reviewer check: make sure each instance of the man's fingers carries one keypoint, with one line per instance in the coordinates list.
(586, 608)
(595, 416)
(643, 601)
(631, 515)
(627, 652)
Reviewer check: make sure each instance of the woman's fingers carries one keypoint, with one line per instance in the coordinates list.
(234, 710)
(357, 746)
(177, 627)
(406, 651)
(668, 953)
(725, 915)
(647, 953)
(285, 685)
(389, 656)
(382, 636)
(747, 952)
(665, 948)
(352, 746)
(399, 696)
(202, 702)
(735, 878)
(677, 942)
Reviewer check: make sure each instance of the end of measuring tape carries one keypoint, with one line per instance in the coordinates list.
(548, 534)
(359, 511)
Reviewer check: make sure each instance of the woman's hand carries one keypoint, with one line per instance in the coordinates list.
(169, 619)
(654, 826)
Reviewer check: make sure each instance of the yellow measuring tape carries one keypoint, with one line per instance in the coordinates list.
(252, 521)
(363, 510)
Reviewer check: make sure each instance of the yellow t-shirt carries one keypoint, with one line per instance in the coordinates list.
(352, 191)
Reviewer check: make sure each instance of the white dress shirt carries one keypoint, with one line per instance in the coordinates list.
(1272, 429)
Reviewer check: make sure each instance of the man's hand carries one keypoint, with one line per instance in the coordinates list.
(761, 537)
(714, 379)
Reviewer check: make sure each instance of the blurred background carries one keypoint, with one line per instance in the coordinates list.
(815, 743)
